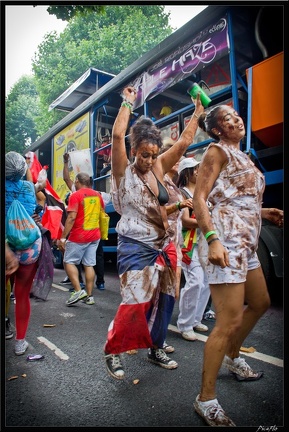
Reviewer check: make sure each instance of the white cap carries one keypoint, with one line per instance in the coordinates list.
(188, 162)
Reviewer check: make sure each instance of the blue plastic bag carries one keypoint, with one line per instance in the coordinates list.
(21, 229)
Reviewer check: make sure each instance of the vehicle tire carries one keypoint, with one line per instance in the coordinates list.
(274, 284)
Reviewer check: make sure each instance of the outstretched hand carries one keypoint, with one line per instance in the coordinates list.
(274, 215)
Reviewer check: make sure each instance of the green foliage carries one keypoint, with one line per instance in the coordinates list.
(21, 109)
(66, 13)
(109, 39)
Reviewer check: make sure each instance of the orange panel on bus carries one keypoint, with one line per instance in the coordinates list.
(268, 100)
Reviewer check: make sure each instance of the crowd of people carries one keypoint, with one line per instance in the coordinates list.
(178, 215)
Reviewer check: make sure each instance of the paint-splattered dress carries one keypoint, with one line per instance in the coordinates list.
(236, 199)
(146, 259)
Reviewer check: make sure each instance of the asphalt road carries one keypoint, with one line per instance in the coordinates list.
(71, 388)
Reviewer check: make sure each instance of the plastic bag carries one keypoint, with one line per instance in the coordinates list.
(43, 278)
(104, 224)
(21, 229)
(42, 176)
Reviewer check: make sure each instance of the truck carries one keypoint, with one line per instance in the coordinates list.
(236, 54)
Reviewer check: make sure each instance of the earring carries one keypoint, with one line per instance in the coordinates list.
(219, 133)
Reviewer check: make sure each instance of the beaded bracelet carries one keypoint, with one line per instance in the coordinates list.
(209, 233)
(211, 241)
(127, 104)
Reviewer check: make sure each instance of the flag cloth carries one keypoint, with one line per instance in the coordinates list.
(54, 215)
(147, 278)
(190, 240)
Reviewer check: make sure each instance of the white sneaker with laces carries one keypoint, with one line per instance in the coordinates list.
(212, 412)
(20, 346)
(241, 369)
(189, 335)
(76, 296)
(201, 327)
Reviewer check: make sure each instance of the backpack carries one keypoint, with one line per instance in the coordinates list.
(20, 229)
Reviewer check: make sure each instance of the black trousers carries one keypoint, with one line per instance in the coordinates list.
(99, 267)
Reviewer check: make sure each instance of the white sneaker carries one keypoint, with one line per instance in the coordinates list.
(201, 327)
(89, 300)
(241, 369)
(76, 296)
(212, 412)
(189, 335)
(20, 346)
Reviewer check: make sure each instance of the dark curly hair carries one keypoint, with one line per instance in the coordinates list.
(209, 121)
(144, 130)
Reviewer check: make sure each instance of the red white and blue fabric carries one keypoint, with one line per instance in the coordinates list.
(145, 312)
(54, 215)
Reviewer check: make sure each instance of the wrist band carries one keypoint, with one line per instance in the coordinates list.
(195, 115)
(127, 104)
(211, 241)
(209, 233)
(178, 204)
(63, 239)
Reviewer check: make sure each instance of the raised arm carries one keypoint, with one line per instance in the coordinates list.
(66, 176)
(173, 155)
(118, 150)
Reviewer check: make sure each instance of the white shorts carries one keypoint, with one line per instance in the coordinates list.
(241, 261)
(76, 253)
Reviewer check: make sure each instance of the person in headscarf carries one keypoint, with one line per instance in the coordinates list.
(24, 191)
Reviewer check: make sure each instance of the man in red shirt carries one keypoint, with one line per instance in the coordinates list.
(81, 236)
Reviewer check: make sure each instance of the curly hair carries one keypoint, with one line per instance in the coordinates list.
(144, 130)
(209, 121)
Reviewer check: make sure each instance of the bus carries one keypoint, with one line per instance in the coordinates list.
(236, 54)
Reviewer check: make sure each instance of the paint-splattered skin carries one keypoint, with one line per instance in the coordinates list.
(236, 199)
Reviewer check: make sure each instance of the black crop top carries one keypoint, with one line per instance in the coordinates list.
(163, 196)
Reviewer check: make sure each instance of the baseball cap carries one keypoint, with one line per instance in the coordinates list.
(189, 162)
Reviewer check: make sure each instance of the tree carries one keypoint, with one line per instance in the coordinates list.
(108, 38)
(109, 41)
(66, 13)
(21, 109)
